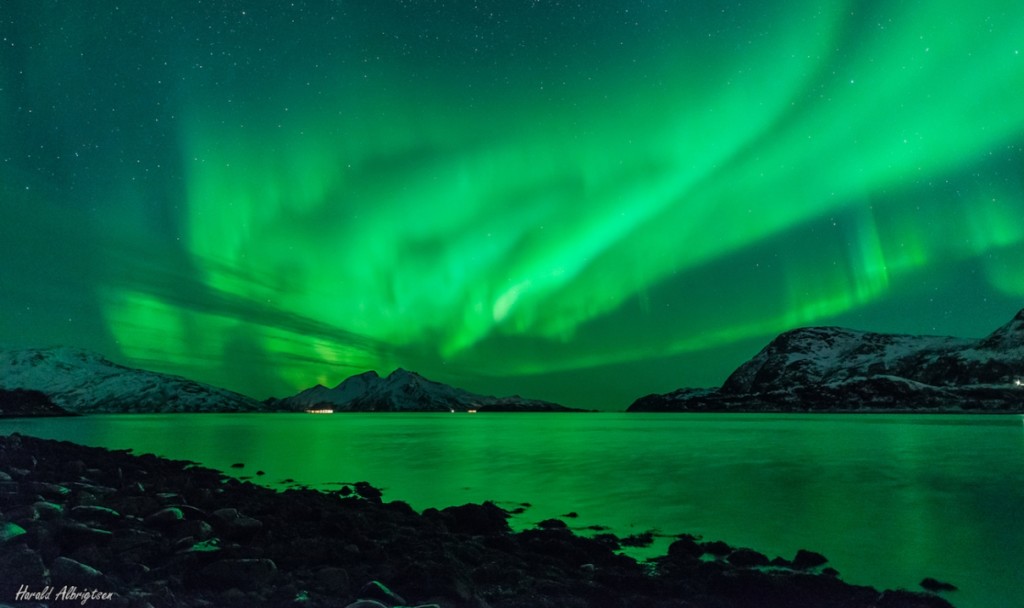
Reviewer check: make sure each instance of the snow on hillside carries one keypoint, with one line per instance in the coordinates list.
(403, 391)
(85, 382)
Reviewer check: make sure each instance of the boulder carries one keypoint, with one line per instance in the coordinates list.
(241, 573)
(10, 531)
(89, 513)
(164, 517)
(484, 519)
(66, 571)
(235, 525)
(378, 591)
(805, 560)
(747, 558)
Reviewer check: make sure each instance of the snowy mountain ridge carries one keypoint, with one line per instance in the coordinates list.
(837, 369)
(403, 391)
(84, 382)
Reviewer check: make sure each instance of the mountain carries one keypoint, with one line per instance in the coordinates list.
(404, 391)
(21, 403)
(836, 369)
(84, 382)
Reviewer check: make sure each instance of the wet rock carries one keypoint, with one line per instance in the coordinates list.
(21, 565)
(932, 584)
(235, 525)
(73, 535)
(66, 571)
(716, 548)
(333, 580)
(552, 524)
(368, 492)
(23, 514)
(685, 547)
(10, 531)
(74, 467)
(241, 573)
(92, 488)
(195, 529)
(94, 514)
(378, 591)
(484, 519)
(644, 539)
(48, 511)
(805, 560)
(747, 558)
(164, 517)
(366, 604)
(48, 490)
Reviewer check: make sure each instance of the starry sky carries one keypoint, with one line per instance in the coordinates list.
(583, 202)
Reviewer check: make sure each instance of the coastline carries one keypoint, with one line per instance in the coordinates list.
(157, 532)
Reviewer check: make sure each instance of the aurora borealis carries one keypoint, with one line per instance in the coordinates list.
(577, 202)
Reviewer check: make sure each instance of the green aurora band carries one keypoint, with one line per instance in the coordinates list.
(508, 196)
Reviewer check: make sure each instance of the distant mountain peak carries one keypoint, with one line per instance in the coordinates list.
(404, 391)
(82, 381)
(1008, 336)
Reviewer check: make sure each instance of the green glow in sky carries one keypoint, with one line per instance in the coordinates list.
(584, 205)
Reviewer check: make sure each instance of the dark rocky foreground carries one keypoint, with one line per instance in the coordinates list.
(88, 526)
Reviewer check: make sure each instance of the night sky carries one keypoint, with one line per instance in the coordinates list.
(583, 202)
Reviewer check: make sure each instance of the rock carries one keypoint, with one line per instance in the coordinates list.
(931, 584)
(73, 535)
(94, 513)
(805, 560)
(644, 539)
(366, 604)
(164, 517)
(48, 510)
(10, 531)
(241, 573)
(4, 476)
(75, 467)
(747, 558)
(235, 525)
(238, 465)
(25, 514)
(48, 490)
(20, 565)
(375, 590)
(686, 547)
(367, 491)
(333, 580)
(553, 524)
(716, 548)
(66, 571)
(192, 528)
(485, 519)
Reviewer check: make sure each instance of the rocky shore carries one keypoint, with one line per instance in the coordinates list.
(88, 526)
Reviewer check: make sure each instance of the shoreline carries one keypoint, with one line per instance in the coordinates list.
(158, 532)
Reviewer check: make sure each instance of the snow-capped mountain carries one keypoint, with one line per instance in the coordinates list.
(84, 382)
(403, 391)
(831, 368)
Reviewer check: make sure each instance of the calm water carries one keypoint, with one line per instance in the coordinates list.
(889, 499)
